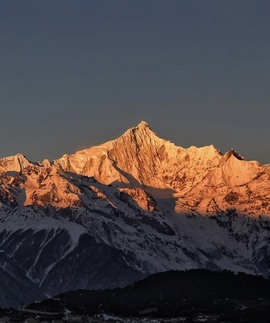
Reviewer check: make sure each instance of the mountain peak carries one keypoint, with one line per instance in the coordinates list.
(233, 152)
(142, 130)
(142, 126)
(14, 163)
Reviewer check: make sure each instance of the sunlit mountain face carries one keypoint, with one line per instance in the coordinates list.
(114, 213)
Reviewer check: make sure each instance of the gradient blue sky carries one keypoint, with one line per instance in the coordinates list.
(77, 73)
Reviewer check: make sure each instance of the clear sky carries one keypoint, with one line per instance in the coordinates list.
(77, 73)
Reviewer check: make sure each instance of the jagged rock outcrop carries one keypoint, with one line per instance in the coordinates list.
(14, 163)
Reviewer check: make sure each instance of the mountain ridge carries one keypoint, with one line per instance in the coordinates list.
(141, 126)
(198, 178)
(139, 202)
(139, 157)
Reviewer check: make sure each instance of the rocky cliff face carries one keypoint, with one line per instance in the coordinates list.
(132, 206)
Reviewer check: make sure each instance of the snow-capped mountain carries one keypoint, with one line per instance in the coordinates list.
(200, 179)
(113, 213)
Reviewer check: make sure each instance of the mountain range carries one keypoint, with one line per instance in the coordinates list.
(109, 215)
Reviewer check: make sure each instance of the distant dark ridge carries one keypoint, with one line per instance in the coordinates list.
(174, 293)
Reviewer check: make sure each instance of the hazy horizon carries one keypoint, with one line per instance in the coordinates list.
(77, 74)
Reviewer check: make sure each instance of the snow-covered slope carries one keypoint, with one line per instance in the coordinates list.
(110, 214)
